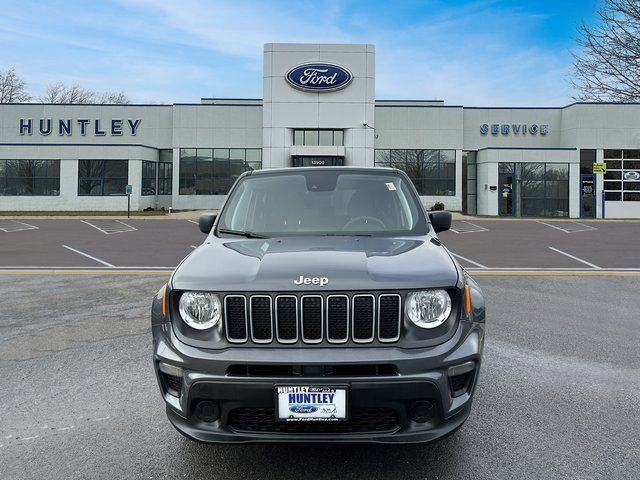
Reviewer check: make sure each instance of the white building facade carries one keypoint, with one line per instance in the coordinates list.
(319, 108)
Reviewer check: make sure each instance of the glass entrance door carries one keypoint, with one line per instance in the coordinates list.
(506, 194)
(587, 196)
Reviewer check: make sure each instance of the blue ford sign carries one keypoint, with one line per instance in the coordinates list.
(319, 77)
(303, 408)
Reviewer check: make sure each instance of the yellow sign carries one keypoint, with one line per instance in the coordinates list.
(599, 167)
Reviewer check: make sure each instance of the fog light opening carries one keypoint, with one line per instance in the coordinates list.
(461, 377)
(422, 411)
(171, 378)
(207, 411)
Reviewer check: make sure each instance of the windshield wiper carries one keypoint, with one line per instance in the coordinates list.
(241, 233)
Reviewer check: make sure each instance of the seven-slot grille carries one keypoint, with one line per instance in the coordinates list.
(338, 318)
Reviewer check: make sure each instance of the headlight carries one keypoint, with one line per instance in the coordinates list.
(200, 310)
(428, 308)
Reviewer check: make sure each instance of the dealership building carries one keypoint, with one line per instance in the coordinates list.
(318, 108)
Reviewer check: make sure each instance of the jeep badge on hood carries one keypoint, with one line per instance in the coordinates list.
(322, 281)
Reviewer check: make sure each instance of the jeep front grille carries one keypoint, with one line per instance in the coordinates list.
(235, 312)
(313, 318)
(287, 318)
(363, 307)
(337, 318)
(260, 313)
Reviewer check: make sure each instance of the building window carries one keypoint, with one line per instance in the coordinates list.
(587, 159)
(212, 171)
(148, 178)
(469, 182)
(433, 172)
(165, 172)
(102, 177)
(622, 180)
(30, 177)
(318, 137)
(541, 190)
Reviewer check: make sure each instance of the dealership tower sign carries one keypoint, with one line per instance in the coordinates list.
(319, 77)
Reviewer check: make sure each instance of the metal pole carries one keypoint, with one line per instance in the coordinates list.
(128, 206)
(602, 204)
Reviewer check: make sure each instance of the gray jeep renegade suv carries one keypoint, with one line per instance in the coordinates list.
(321, 307)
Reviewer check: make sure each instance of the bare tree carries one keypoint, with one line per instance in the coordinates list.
(60, 93)
(608, 66)
(75, 94)
(117, 98)
(13, 89)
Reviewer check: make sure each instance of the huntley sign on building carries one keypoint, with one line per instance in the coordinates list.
(318, 108)
(48, 126)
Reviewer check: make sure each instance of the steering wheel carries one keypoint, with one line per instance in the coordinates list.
(366, 219)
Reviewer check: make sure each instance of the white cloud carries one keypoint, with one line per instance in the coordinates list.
(242, 27)
(480, 53)
(472, 57)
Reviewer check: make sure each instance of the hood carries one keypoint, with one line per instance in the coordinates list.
(347, 263)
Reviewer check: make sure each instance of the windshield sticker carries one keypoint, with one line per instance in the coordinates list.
(390, 186)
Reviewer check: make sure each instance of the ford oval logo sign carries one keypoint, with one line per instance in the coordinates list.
(319, 77)
(631, 175)
(303, 408)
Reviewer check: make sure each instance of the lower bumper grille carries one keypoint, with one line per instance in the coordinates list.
(460, 383)
(172, 384)
(362, 420)
(341, 370)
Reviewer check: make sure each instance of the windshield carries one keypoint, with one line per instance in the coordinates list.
(325, 202)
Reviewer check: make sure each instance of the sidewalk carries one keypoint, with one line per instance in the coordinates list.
(183, 215)
(194, 214)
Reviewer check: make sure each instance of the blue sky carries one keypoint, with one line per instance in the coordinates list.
(473, 53)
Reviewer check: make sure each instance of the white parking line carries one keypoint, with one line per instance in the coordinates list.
(585, 228)
(559, 269)
(577, 259)
(107, 264)
(193, 221)
(109, 268)
(463, 229)
(9, 226)
(65, 428)
(109, 227)
(479, 265)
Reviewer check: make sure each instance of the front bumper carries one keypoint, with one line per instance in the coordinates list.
(418, 375)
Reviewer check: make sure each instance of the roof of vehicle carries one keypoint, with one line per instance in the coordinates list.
(306, 169)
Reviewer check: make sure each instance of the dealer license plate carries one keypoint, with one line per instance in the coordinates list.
(305, 403)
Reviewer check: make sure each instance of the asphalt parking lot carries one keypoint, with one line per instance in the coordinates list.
(558, 395)
(557, 398)
(161, 244)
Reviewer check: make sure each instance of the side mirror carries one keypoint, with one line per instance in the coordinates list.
(440, 220)
(205, 222)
